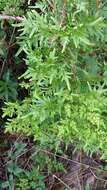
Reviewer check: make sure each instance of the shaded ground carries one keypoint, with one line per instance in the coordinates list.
(81, 171)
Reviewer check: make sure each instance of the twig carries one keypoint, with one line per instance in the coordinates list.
(4, 62)
(73, 161)
(54, 176)
(63, 14)
(36, 152)
(26, 151)
(78, 181)
(8, 17)
(2, 68)
(96, 177)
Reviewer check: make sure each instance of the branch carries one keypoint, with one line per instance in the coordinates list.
(54, 176)
(7, 17)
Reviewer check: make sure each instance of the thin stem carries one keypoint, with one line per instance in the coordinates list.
(63, 15)
(4, 62)
(73, 161)
(8, 17)
(54, 176)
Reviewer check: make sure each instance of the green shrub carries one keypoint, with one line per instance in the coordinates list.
(31, 180)
(12, 7)
(16, 176)
(12, 169)
(65, 55)
(8, 87)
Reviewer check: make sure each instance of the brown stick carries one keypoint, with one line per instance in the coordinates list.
(63, 15)
(7, 17)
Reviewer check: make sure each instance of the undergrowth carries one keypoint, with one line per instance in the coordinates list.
(14, 7)
(64, 45)
(66, 77)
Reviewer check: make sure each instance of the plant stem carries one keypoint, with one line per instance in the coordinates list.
(8, 17)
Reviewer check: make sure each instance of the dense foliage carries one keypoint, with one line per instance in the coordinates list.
(53, 82)
(13, 7)
(65, 46)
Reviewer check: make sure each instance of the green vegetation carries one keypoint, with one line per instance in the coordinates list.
(66, 77)
(64, 46)
(12, 7)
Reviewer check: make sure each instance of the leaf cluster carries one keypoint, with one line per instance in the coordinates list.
(13, 7)
(66, 74)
